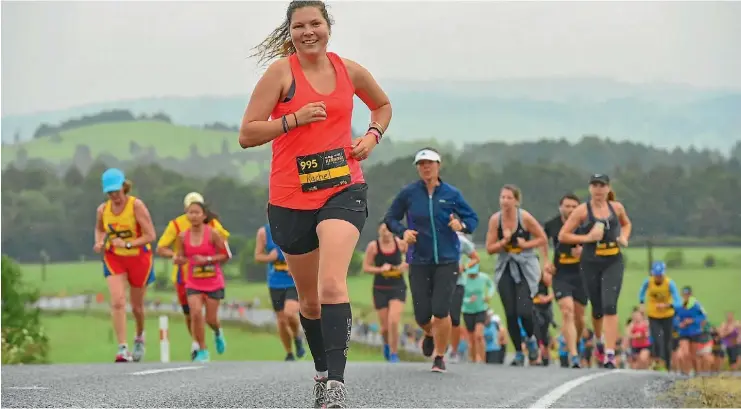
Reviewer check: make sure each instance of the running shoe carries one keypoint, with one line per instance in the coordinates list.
(289, 357)
(519, 359)
(532, 349)
(123, 354)
(438, 364)
(428, 346)
(320, 391)
(599, 354)
(609, 361)
(453, 357)
(386, 352)
(300, 351)
(575, 362)
(138, 348)
(220, 342)
(393, 358)
(193, 354)
(336, 395)
(202, 356)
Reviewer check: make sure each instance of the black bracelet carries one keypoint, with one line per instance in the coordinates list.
(285, 124)
(296, 119)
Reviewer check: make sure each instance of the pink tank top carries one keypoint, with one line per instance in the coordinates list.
(207, 277)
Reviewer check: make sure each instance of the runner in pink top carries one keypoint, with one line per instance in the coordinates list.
(203, 249)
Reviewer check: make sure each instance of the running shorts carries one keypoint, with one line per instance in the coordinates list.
(278, 297)
(637, 350)
(456, 305)
(382, 296)
(568, 283)
(432, 288)
(139, 269)
(182, 297)
(472, 319)
(294, 231)
(675, 344)
(733, 352)
(214, 295)
(492, 357)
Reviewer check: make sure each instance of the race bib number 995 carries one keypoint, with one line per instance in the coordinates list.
(323, 170)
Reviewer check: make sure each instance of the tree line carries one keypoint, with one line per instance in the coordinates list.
(43, 211)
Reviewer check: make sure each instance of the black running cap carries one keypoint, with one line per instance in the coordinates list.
(599, 178)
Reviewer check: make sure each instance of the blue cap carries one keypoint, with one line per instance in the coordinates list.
(113, 180)
(658, 268)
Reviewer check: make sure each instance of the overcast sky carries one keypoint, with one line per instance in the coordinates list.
(62, 54)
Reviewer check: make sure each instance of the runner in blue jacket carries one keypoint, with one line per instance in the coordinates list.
(434, 212)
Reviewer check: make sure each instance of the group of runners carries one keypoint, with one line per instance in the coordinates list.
(317, 207)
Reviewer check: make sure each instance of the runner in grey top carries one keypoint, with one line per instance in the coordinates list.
(469, 258)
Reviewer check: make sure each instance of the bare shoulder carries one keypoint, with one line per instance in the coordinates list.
(494, 218)
(401, 244)
(618, 206)
(101, 207)
(372, 246)
(357, 73)
(261, 232)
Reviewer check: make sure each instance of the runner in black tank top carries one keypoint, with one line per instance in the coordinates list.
(383, 260)
(515, 234)
(568, 286)
(543, 317)
(602, 267)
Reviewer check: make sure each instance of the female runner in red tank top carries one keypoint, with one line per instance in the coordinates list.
(640, 343)
(317, 202)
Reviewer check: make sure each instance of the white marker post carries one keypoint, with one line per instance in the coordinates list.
(164, 340)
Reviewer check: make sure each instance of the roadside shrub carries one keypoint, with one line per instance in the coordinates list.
(23, 337)
(709, 260)
(674, 258)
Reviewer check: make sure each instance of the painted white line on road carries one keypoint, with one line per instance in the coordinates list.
(551, 397)
(28, 388)
(154, 371)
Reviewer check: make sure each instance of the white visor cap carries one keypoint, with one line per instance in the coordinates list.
(426, 154)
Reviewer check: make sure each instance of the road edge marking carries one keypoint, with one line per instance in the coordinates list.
(27, 388)
(163, 370)
(560, 391)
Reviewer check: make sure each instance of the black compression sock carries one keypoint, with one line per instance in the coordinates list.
(313, 334)
(336, 328)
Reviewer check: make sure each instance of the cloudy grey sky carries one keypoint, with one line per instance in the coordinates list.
(62, 54)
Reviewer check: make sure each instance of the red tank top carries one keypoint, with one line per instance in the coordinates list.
(313, 162)
(642, 331)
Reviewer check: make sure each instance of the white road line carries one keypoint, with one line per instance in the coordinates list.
(28, 388)
(557, 393)
(154, 371)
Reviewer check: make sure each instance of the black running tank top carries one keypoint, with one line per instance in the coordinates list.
(608, 246)
(512, 246)
(392, 278)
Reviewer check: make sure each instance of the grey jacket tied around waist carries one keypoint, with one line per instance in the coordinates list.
(524, 264)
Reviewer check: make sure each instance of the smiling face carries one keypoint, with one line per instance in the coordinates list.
(310, 30)
(196, 214)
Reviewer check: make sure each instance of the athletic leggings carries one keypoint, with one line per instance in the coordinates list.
(432, 288)
(604, 280)
(661, 332)
(517, 304)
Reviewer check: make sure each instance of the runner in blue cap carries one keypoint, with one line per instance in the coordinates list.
(663, 298)
(124, 233)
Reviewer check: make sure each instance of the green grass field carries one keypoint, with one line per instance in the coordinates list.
(718, 288)
(79, 338)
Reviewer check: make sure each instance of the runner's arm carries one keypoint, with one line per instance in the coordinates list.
(370, 253)
(625, 223)
(469, 218)
(141, 213)
(261, 256)
(494, 243)
(642, 292)
(676, 298)
(539, 240)
(575, 219)
(403, 246)
(100, 231)
(368, 90)
(167, 240)
(256, 128)
(395, 213)
(489, 289)
(220, 245)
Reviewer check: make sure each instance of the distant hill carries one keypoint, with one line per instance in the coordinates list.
(662, 115)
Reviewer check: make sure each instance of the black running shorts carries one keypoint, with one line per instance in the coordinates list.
(382, 296)
(294, 231)
(278, 297)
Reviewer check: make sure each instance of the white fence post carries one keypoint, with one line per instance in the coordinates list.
(164, 340)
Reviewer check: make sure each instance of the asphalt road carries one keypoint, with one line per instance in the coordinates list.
(289, 384)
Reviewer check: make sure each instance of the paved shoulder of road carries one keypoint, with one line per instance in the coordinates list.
(289, 384)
